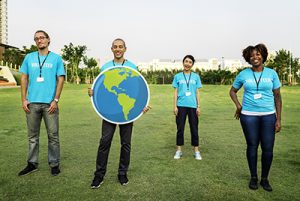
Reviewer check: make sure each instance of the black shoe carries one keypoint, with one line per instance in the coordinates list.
(123, 179)
(266, 185)
(28, 169)
(55, 171)
(253, 183)
(96, 183)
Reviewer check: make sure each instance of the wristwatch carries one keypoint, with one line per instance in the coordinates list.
(56, 100)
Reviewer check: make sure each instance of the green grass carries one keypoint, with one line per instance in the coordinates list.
(154, 174)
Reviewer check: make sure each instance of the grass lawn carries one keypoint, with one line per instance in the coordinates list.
(153, 174)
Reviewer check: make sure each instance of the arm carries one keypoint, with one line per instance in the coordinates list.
(278, 106)
(198, 102)
(175, 101)
(233, 96)
(59, 87)
(24, 85)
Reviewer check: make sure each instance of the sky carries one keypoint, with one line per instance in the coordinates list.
(158, 29)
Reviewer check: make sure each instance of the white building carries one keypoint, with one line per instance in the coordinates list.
(201, 64)
(3, 22)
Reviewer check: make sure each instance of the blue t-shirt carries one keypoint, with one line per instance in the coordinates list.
(261, 100)
(187, 85)
(42, 92)
(112, 63)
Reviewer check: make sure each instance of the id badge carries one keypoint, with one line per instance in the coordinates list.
(257, 96)
(188, 93)
(40, 79)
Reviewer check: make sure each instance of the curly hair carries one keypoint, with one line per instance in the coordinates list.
(261, 48)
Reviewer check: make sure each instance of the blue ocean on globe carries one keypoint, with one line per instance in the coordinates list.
(120, 94)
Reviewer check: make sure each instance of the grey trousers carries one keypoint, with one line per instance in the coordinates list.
(38, 111)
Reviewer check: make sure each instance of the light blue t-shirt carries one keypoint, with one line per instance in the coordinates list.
(112, 63)
(42, 92)
(187, 85)
(261, 100)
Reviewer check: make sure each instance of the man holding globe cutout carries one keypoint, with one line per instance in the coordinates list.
(118, 48)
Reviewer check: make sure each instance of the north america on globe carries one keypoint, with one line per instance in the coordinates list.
(112, 81)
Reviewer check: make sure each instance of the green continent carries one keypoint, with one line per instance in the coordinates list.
(113, 78)
(127, 104)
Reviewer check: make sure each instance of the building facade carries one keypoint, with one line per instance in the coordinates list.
(3, 22)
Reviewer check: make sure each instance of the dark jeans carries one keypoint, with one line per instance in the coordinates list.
(183, 112)
(108, 130)
(259, 130)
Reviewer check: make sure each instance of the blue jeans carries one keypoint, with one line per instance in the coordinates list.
(259, 130)
(38, 111)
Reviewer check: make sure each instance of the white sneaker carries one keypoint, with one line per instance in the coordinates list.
(197, 155)
(178, 155)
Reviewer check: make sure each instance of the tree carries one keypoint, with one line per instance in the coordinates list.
(90, 63)
(15, 56)
(285, 65)
(73, 56)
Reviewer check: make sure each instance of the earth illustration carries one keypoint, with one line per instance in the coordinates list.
(120, 94)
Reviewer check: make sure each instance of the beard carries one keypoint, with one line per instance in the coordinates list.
(42, 48)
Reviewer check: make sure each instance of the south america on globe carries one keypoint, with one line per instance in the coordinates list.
(120, 94)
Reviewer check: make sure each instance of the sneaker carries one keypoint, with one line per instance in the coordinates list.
(178, 155)
(123, 179)
(197, 155)
(55, 171)
(28, 169)
(266, 185)
(96, 183)
(253, 183)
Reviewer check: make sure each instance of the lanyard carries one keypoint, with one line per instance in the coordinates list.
(257, 82)
(187, 82)
(41, 65)
(121, 64)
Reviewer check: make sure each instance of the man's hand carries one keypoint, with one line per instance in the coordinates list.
(25, 104)
(53, 107)
(90, 92)
(146, 109)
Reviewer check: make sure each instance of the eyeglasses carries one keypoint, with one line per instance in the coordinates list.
(39, 38)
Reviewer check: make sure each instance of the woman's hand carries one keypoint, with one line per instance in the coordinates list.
(277, 126)
(238, 112)
(175, 111)
(198, 111)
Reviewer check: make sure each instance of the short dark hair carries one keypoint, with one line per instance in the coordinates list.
(190, 57)
(261, 48)
(42, 31)
(120, 39)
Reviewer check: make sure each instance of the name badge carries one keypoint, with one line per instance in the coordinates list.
(257, 96)
(40, 79)
(188, 93)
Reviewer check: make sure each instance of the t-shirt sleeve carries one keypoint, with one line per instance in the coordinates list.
(24, 66)
(198, 83)
(276, 81)
(238, 82)
(60, 67)
(175, 83)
